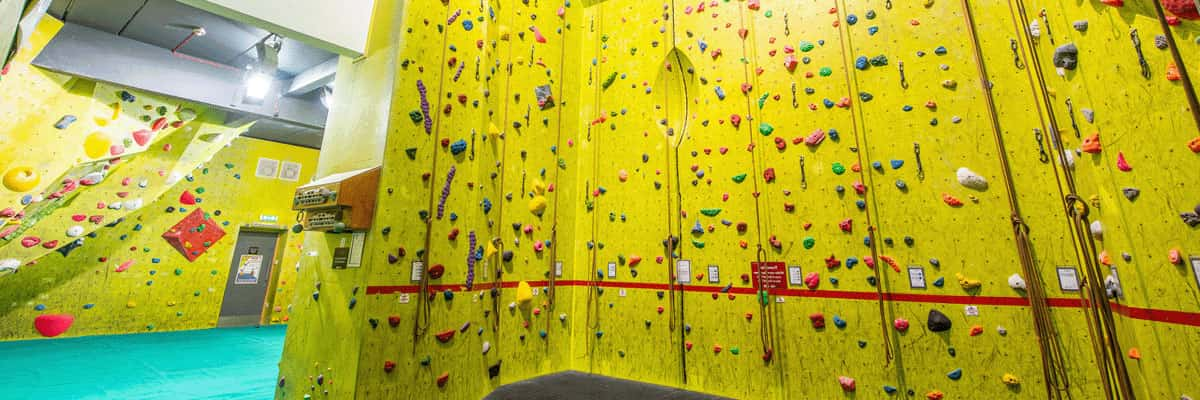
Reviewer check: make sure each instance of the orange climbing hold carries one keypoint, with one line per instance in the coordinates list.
(1173, 72)
(1114, 3)
(442, 379)
(935, 395)
(445, 336)
(951, 200)
(1194, 144)
(1135, 354)
(1091, 144)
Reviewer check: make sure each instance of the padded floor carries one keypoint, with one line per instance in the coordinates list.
(581, 386)
(228, 363)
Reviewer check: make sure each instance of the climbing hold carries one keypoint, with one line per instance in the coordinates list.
(765, 129)
(1066, 57)
(1091, 144)
(817, 320)
(65, 122)
(389, 365)
(1015, 281)
(1182, 8)
(839, 322)
(21, 179)
(443, 378)
(1130, 193)
(1174, 256)
(900, 324)
(1010, 379)
(937, 321)
(847, 383)
(51, 325)
(937, 394)
(812, 280)
(524, 293)
(1122, 164)
(1194, 144)
(967, 283)
(951, 200)
(445, 336)
(1080, 25)
(1035, 29)
(970, 179)
(889, 389)
(1134, 353)
(955, 374)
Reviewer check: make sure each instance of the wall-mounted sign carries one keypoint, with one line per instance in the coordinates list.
(795, 275)
(267, 168)
(916, 277)
(249, 266)
(341, 257)
(683, 271)
(714, 274)
(418, 269)
(769, 275)
(1068, 279)
(1196, 269)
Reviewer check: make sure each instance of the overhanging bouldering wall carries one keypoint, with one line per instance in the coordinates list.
(770, 199)
(98, 173)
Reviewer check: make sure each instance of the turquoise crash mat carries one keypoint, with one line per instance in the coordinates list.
(229, 363)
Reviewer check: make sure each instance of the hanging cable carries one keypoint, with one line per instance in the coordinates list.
(1054, 368)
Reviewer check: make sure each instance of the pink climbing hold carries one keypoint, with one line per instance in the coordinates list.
(116, 150)
(30, 241)
(845, 225)
(1122, 164)
(187, 198)
(735, 120)
(159, 124)
(50, 244)
(815, 138)
(769, 175)
(538, 247)
(142, 137)
(537, 34)
(900, 324)
(817, 319)
(78, 217)
(51, 325)
(124, 266)
(847, 383)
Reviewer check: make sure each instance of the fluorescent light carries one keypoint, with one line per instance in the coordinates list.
(257, 86)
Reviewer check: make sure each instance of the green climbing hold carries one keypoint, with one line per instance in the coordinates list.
(609, 81)
(825, 71)
(710, 212)
(416, 116)
(178, 271)
(734, 350)
(765, 129)
(806, 46)
(838, 168)
(739, 178)
(698, 244)
(199, 190)
(762, 100)
(809, 242)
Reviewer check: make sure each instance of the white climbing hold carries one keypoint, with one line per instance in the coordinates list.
(1112, 286)
(1016, 282)
(143, 183)
(116, 205)
(9, 265)
(486, 347)
(75, 231)
(1035, 29)
(133, 204)
(1097, 229)
(92, 178)
(970, 179)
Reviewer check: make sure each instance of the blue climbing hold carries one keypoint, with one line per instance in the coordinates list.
(833, 280)
(88, 306)
(907, 108)
(458, 147)
(861, 63)
(833, 134)
(64, 122)
(851, 19)
(851, 262)
(839, 322)
(889, 389)
(127, 97)
(862, 205)
(867, 241)
(39, 307)
(955, 374)
(468, 25)
(934, 262)
(876, 165)
(697, 228)
(720, 92)
(939, 281)
(828, 103)
(896, 164)
(448, 295)
(940, 50)
(872, 30)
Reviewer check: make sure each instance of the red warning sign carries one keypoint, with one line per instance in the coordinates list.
(769, 275)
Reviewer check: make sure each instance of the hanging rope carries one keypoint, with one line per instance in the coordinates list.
(1110, 364)
(1185, 78)
(1053, 366)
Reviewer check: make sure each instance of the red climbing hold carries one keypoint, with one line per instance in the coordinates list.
(159, 124)
(976, 330)
(752, 4)
(436, 271)
(30, 241)
(445, 336)
(393, 320)
(634, 260)
(187, 198)
(389, 365)
(1194, 144)
(1185, 9)
(951, 200)
(812, 280)
(817, 319)
(50, 244)
(769, 175)
(832, 262)
(52, 325)
(1114, 3)
(442, 379)
(141, 137)
(124, 266)
(846, 225)
(900, 324)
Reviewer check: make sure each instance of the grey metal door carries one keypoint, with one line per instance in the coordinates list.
(249, 278)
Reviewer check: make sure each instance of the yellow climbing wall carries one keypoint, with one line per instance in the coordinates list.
(69, 245)
(828, 136)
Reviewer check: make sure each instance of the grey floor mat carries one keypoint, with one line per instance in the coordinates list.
(582, 386)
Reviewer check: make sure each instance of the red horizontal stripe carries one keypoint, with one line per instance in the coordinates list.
(1148, 314)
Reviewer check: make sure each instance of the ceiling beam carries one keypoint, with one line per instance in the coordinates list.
(101, 56)
(312, 78)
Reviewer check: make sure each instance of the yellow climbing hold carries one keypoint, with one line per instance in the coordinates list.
(490, 250)
(96, 145)
(539, 187)
(21, 179)
(968, 283)
(524, 293)
(116, 110)
(1010, 379)
(493, 131)
(537, 205)
(131, 304)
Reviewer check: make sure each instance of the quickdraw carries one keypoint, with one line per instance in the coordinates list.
(903, 79)
(1046, 22)
(920, 168)
(1137, 45)
(1042, 156)
(795, 104)
(787, 30)
(1016, 54)
(1071, 113)
(803, 176)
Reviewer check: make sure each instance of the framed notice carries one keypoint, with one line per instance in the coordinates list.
(683, 271)
(249, 265)
(290, 171)
(1196, 269)
(714, 274)
(795, 275)
(916, 277)
(267, 168)
(1068, 279)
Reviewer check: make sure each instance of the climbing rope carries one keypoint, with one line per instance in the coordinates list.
(1108, 362)
(1053, 365)
(859, 149)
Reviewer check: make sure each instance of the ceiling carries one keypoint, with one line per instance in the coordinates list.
(166, 23)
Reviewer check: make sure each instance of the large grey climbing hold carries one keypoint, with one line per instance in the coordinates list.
(937, 321)
(1192, 219)
(1080, 25)
(1130, 193)
(1066, 56)
(1088, 114)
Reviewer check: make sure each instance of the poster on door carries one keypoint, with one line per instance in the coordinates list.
(248, 268)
